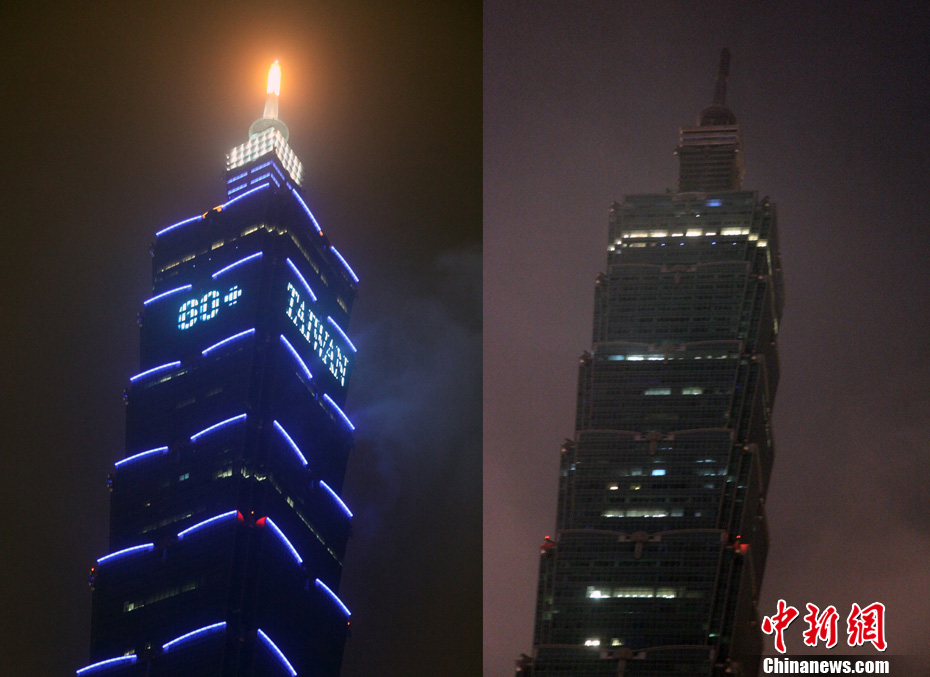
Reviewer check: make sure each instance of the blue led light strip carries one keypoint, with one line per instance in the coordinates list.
(112, 661)
(277, 652)
(245, 194)
(178, 225)
(127, 551)
(256, 255)
(307, 209)
(217, 426)
(280, 534)
(236, 177)
(329, 401)
(320, 584)
(338, 500)
(141, 454)
(275, 167)
(290, 442)
(301, 278)
(276, 182)
(153, 370)
(294, 354)
(256, 179)
(186, 287)
(341, 333)
(237, 189)
(260, 167)
(345, 263)
(234, 337)
(207, 522)
(209, 628)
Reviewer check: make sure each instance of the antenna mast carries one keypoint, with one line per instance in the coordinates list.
(720, 90)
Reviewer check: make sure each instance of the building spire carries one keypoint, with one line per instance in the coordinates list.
(717, 113)
(270, 116)
(274, 91)
(267, 136)
(723, 72)
(709, 154)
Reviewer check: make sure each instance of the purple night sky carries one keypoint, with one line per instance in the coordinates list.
(583, 102)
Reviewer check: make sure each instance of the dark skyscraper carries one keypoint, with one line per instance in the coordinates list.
(658, 559)
(227, 530)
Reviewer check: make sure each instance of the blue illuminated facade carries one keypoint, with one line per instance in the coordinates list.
(661, 541)
(227, 528)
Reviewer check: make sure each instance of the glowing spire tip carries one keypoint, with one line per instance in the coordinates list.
(269, 118)
(274, 79)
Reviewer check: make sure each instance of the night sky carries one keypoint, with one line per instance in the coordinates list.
(583, 101)
(117, 118)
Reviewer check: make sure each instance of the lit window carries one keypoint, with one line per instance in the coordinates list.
(592, 642)
(631, 592)
(658, 472)
(636, 512)
(692, 390)
(658, 391)
(634, 592)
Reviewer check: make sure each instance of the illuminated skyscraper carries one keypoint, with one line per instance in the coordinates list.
(658, 559)
(227, 530)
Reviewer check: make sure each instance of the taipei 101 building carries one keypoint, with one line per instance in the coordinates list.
(657, 561)
(227, 524)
